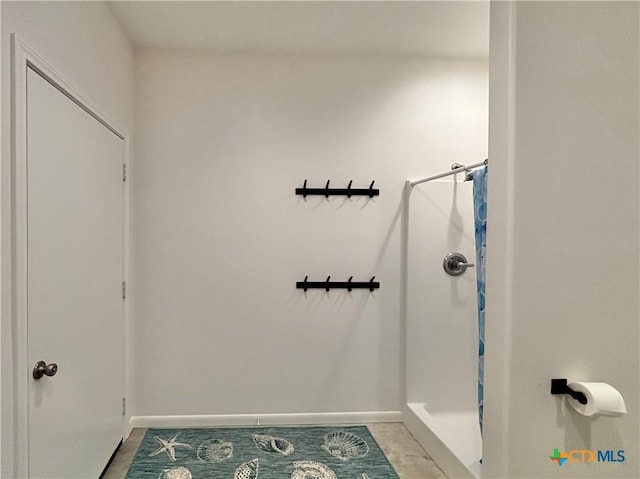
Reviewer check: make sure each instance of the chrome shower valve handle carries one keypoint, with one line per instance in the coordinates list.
(455, 264)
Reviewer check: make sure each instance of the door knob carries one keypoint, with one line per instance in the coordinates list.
(43, 369)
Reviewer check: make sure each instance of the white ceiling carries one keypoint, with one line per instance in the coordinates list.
(433, 28)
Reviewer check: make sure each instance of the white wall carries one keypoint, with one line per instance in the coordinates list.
(562, 257)
(83, 42)
(220, 238)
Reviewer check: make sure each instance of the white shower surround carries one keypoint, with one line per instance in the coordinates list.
(442, 326)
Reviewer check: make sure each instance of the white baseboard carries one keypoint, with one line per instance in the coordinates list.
(220, 420)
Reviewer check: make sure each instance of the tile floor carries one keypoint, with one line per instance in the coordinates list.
(405, 454)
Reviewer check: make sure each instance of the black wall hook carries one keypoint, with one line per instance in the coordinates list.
(328, 284)
(560, 386)
(348, 191)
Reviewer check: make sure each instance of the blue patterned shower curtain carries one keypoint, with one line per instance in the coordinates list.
(480, 216)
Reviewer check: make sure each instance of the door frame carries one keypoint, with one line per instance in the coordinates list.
(23, 57)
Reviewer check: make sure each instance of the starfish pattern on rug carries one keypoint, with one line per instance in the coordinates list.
(168, 446)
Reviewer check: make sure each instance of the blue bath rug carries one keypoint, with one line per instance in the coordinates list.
(260, 453)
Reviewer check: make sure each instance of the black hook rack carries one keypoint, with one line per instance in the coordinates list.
(328, 284)
(560, 386)
(348, 191)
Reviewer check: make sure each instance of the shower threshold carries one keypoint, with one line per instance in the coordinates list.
(452, 439)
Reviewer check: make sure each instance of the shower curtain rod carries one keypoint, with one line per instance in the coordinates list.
(452, 172)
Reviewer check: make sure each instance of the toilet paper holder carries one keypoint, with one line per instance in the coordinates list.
(560, 386)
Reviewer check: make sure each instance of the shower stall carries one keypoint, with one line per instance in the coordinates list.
(442, 339)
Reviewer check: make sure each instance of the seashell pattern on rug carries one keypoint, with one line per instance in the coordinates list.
(261, 452)
(214, 450)
(175, 473)
(345, 445)
(248, 470)
(268, 443)
(312, 470)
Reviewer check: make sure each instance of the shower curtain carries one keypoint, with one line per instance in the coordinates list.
(480, 217)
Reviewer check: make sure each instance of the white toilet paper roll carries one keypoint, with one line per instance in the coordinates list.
(602, 398)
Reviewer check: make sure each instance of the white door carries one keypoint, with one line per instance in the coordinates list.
(75, 271)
